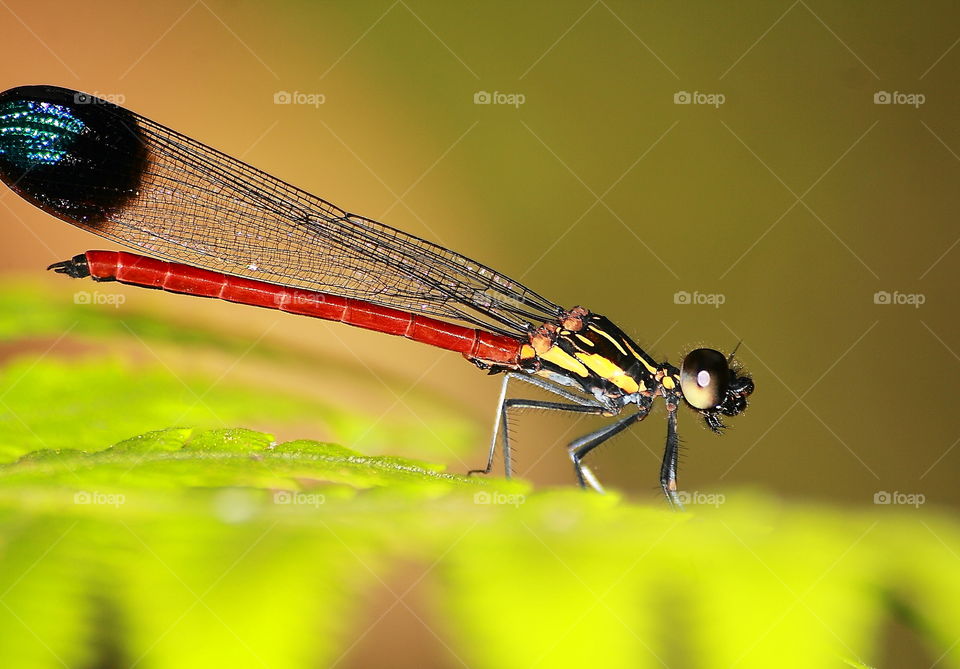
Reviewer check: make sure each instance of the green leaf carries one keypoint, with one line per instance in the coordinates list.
(178, 458)
(236, 541)
(220, 530)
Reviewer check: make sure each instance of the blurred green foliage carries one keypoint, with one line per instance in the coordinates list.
(188, 547)
(109, 390)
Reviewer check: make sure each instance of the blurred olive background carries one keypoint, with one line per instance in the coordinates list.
(782, 191)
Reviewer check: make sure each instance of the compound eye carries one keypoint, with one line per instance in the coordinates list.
(704, 377)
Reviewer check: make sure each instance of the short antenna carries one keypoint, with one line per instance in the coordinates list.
(734, 352)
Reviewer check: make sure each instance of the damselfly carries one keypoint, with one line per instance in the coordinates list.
(213, 226)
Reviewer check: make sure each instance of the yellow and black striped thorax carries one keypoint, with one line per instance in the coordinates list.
(589, 350)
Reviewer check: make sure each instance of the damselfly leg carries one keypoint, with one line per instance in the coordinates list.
(577, 404)
(668, 470)
(579, 448)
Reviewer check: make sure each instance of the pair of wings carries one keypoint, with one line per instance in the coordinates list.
(185, 202)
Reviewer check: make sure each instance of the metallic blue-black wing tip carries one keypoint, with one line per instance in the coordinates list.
(70, 153)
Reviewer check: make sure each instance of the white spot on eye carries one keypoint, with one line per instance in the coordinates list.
(703, 378)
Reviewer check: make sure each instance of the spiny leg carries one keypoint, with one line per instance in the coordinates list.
(579, 448)
(577, 404)
(496, 428)
(668, 470)
(539, 404)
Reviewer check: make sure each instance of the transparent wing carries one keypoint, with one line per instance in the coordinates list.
(134, 181)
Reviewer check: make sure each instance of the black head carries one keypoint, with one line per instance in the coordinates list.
(76, 156)
(711, 385)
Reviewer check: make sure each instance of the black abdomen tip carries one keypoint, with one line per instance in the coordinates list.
(74, 155)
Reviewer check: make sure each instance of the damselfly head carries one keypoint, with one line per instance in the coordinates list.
(712, 386)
